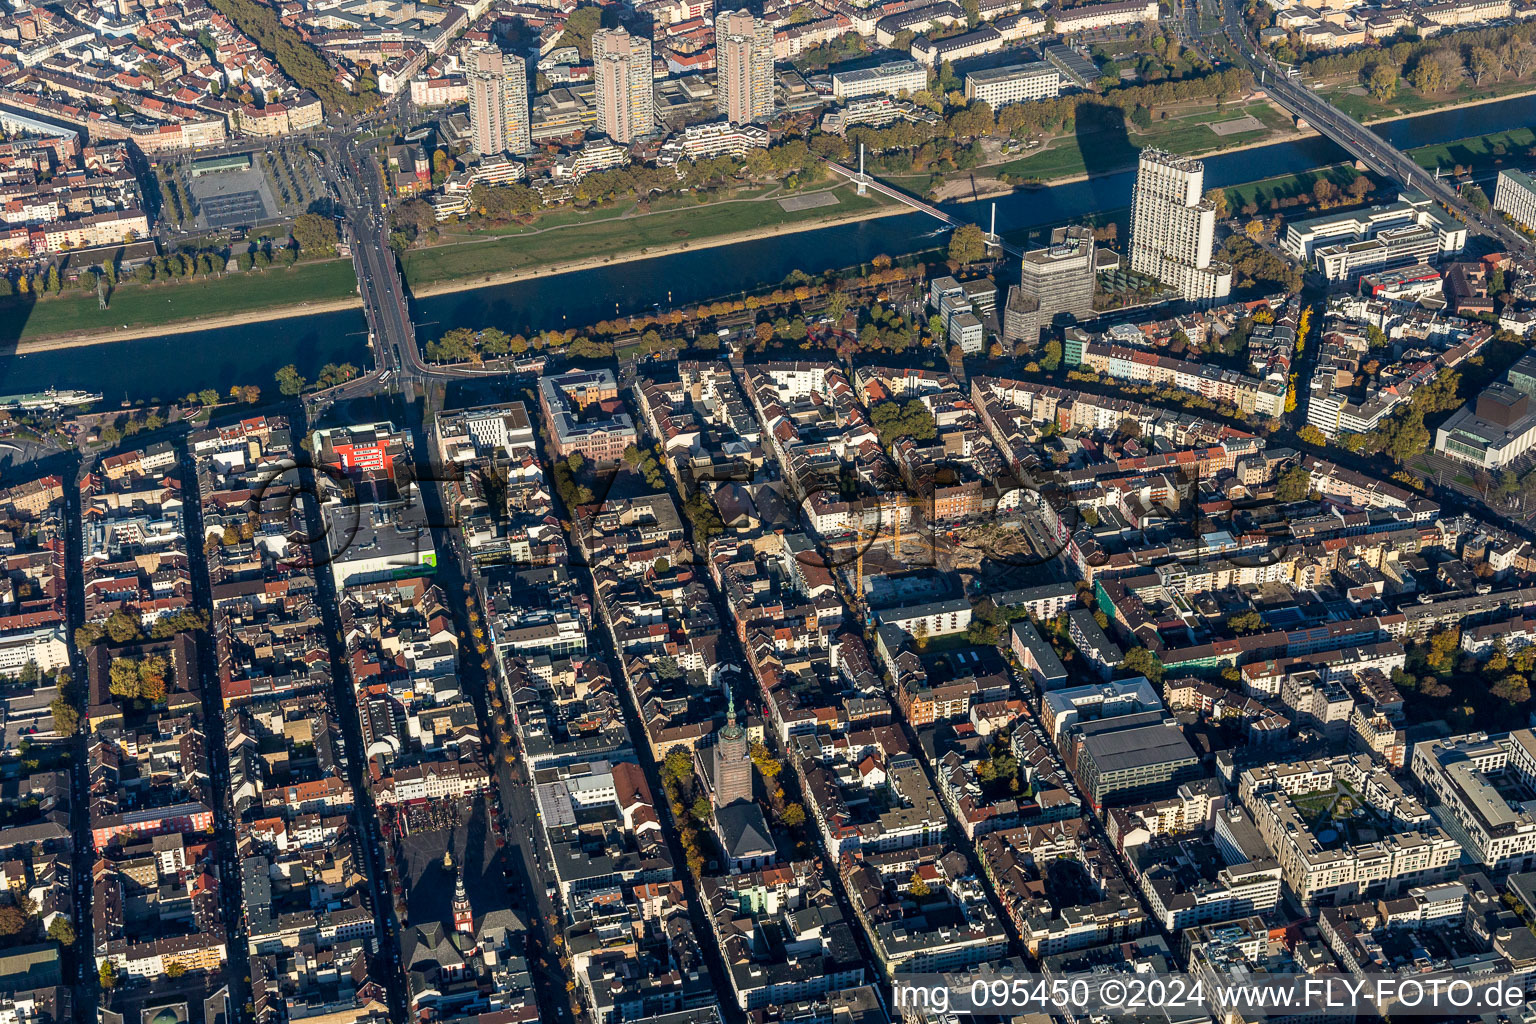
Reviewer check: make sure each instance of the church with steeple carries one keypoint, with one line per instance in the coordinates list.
(733, 762)
(739, 823)
(463, 916)
(466, 963)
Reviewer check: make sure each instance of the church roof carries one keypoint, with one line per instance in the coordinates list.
(744, 831)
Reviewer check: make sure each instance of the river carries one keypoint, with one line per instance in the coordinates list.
(173, 365)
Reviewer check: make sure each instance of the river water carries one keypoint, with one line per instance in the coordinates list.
(172, 365)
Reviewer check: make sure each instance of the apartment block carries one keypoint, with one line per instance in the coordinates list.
(623, 80)
(889, 79)
(1013, 83)
(744, 67)
(1515, 194)
(498, 101)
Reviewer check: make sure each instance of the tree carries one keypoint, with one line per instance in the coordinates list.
(1051, 360)
(314, 233)
(793, 816)
(1294, 484)
(107, 975)
(967, 244)
(579, 26)
(289, 383)
(123, 678)
(122, 627)
(1476, 198)
(917, 887)
(676, 767)
(1244, 623)
(920, 634)
(894, 420)
(152, 671)
(768, 766)
(66, 720)
(61, 931)
(1312, 435)
(1483, 63)
(12, 920)
(1144, 663)
(1382, 82)
(175, 969)
(1443, 646)
(1514, 689)
(1428, 74)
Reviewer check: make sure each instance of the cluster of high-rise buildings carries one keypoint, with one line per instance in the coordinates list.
(624, 84)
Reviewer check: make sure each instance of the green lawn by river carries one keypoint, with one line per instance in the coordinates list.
(1349, 97)
(75, 312)
(1113, 149)
(1483, 151)
(615, 234)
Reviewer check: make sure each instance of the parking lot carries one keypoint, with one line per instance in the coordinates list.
(232, 198)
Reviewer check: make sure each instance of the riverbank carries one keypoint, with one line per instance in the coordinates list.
(29, 346)
(1355, 105)
(67, 308)
(1277, 137)
(1293, 135)
(515, 253)
(1463, 105)
(449, 286)
(148, 310)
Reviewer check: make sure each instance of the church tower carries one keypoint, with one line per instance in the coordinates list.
(463, 917)
(733, 762)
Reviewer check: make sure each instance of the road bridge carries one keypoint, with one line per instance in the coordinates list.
(1359, 141)
(359, 180)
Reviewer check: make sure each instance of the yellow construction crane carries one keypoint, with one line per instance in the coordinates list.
(872, 533)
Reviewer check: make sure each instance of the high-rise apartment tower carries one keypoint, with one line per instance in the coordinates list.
(624, 90)
(1173, 227)
(744, 65)
(498, 101)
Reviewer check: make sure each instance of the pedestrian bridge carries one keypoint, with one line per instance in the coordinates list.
(871, 182)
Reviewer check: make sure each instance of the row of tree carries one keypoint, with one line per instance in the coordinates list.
(649, 333)
(1436, 64)
(123, 627)
(291, 383)
(299, 60)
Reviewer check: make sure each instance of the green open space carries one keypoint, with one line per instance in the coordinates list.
(137, 305)
(566, 215)
(1479, 151)
(1286, 185)
(1187, 134)
(614, 235)
(1408, 100)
